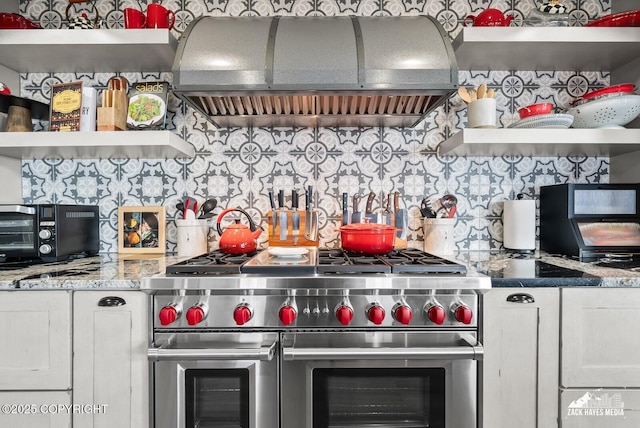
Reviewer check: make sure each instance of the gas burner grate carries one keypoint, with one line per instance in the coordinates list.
(343, 262)
(418, 261)
(215, 262)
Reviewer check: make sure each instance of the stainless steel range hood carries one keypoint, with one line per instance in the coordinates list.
(320, 71)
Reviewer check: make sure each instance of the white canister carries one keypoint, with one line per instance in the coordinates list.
(438, 235)
(519, 225)
(192, 237)
(482, 113)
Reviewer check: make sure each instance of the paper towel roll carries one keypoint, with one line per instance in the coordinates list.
(519, 223)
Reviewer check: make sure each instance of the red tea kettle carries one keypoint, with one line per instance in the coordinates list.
(238, 238)
(489, 18)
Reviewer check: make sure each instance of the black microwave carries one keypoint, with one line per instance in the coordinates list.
(49, 232)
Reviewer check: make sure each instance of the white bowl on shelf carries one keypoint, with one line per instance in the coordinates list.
(610, 112)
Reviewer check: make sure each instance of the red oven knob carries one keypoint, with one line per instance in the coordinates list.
(403, 314)
(375, 314)
(344, 314)
(195, 315)
(463, 314)
(436, 313)
(242, 314)
(168, 314)
(287, 314)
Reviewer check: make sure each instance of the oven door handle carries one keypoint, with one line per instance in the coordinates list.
(161, 353)
(463, 352)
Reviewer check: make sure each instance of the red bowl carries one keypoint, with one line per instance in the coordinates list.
(622, 19)
(13, 21)
(609, 91)
(535, 110)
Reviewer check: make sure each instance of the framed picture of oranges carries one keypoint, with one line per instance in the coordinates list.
(141, 230)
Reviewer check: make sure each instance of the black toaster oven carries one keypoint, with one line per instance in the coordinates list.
(49, 232)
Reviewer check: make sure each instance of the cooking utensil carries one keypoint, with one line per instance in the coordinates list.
(367, 238)
(386, 214)
(345, 209)
(190, 208)
(402, 220)
(464, 94)
(118, 84)
(295, 217)
(491, 93)
(614, 112)
(426, 210)
(368, 211)
(356, 215)
(207, 207)
(447, 202)
(237, 238)
(482, 90)
(274, 214)
(311, 233)
(473, 95)
(284, 217)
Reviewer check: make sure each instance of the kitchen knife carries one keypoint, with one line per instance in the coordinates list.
(307, 214)
(311, 233)
(295, 217)
(386, 214)
(284, 217)
(401, 217)
(368, 211)
(274, 214)
(356, 215)
(345, 209)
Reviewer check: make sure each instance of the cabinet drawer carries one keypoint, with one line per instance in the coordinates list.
(36, 340)
(600, 341)
(597, 408)
(36, 409)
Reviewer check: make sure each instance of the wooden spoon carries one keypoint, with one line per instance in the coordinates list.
(464, 94)
(491, 93)
(482, 90)
(473, 94)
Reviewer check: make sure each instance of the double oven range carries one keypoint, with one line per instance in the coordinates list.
(323, 340)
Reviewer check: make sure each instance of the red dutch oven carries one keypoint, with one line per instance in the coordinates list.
(368, 238)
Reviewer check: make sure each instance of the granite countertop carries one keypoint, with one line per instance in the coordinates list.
(115, 271)
(111, 271)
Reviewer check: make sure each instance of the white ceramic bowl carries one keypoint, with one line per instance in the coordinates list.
(613, 112)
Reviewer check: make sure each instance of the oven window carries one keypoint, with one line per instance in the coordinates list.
(17, 233)
(390, 398)
(217, 398)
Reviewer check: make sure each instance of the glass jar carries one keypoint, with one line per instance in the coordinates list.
(550, 14)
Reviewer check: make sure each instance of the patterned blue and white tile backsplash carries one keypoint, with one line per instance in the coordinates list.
(239, 166)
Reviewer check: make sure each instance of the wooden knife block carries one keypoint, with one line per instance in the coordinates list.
(112, 116)
(274, 240)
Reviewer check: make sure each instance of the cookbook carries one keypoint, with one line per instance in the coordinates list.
(148, 105)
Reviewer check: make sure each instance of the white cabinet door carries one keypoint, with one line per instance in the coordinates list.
(110, 358)
(600, 408)
(600, 337)
(520, 366)
(36, 409)
(36, 340)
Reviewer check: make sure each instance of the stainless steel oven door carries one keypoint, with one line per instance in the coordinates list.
(207, 380)
(380, 379)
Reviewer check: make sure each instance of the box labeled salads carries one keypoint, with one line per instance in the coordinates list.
(148, 105)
